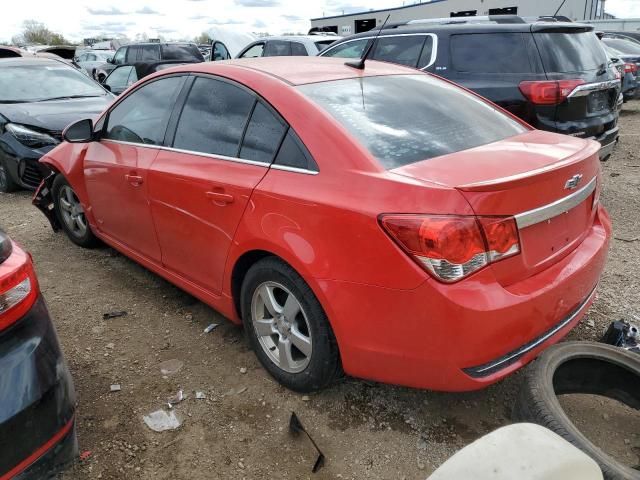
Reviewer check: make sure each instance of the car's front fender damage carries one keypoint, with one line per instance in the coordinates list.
(43, 199)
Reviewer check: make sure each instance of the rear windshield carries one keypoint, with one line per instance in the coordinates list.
(181, 52)
(570, 52)
(402, 119)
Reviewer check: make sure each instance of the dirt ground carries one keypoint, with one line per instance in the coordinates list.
(240, 430)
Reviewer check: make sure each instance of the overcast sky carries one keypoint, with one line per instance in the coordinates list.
(77, 19)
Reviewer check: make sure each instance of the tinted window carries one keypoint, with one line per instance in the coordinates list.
(403, 119)
(143, 115)
(570, 52)
(149, 53)
(213, 118)
(322, 44)
(490, 53)
(254, 52)
(118, 58)
(292, 153)
(263, 136)
(427, 52)
(181, 52)
(133, 54)
(298, 49)
(220, 52)
(404, 50)
(353, 49)
(625, 46)
(277, 48)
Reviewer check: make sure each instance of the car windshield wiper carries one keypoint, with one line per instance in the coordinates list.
(67, 97)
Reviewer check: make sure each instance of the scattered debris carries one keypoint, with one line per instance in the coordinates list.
(623, 334)
(241, 390)
(84, 455)
(159, 421)
(591, 323)
(177, 398)
(295, 427)
(115, 387)
(305, 398)
(211, 327)
(170, 366)
(200, 396)
(188, 317)
(110, 346)
(628, 240)
(243, 370)
(110, 315)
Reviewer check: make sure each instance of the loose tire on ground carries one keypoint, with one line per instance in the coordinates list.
(580, 367)
(272, 278)
(76, 228)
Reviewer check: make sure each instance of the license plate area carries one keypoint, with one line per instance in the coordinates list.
(598, 101)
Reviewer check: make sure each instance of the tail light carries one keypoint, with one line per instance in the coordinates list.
(18, 288)
(452, 247)
(549, 92)
(630, 68)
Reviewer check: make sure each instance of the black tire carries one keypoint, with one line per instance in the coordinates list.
(7, 184)
(84, 238)
(580, 367)
(323, 366)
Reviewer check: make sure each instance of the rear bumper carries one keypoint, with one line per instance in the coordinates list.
(37, 399)
(608, 140)
(439, 336)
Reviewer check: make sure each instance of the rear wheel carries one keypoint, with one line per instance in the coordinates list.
(287, 327)
(7, 184)
(71, 215)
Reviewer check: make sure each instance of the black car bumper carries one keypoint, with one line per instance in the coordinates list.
(37, 400)
(22, 162)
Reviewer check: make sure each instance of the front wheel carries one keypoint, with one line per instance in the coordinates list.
(71, 214)
(287, 327)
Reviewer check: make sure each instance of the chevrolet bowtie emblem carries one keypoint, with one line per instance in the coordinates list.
(573, 182)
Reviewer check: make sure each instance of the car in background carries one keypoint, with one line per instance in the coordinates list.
(553, 75)
(37, 398)
(39, 97)
(354, 219)
(628, 73)
(633, 36)
(629, 50)
(288, 45)
(149, 52)
(123, 76)
(90, 59)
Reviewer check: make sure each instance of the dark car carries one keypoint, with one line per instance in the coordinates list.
(634, 36)
(37, 398)
(149, 52)
(38, 98)
(554, 75)
(123, 76)
(628, 72)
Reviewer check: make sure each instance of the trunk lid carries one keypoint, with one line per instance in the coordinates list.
(547, 181)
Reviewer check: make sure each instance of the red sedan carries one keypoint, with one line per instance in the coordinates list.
(382, 221)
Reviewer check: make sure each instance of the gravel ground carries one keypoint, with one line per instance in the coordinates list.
(239, 430)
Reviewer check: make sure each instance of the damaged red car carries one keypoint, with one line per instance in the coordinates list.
(37, 399)
(380, 222)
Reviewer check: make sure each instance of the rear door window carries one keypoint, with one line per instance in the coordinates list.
(213, 118)
(570, 52)
(263, 136)
(119, 57)
(150, 53)
(403, 119)
(185, 52)
(142, 116)
(118, 79)
(254, 52)
(490, 53)
(427, 56)
(298, 49)
(351, 49)
(133, 53)
(404, 49)
(293, 154)
(277, 48)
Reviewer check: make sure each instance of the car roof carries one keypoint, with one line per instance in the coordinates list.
(312, 38)
(31, 60)
(302, 70)
(136, 44)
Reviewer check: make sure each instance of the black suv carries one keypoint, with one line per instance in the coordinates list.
(554, 75)
(149, 53)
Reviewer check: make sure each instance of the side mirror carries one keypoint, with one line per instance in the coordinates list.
(110, 60)
(79, 132)
(106, 86)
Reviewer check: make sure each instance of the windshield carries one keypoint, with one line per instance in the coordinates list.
(402, 119)
(570, 52)
(625, 46)
(34, 83)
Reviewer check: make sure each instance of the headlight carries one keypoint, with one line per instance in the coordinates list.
(30, 138)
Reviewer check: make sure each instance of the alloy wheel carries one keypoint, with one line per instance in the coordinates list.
(281, 326)
(72, 211)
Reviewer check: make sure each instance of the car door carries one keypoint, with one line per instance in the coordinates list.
(116, 166)
(219, 51)
(225, 139)
(120, 56)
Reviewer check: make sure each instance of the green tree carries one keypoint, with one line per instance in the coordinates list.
(202, 38)
(36, 32)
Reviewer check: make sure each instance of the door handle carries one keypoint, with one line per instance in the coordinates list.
(135, 180)
(220, 198)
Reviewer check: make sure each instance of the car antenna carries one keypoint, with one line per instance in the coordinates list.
(360, 63)
(560, 7)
